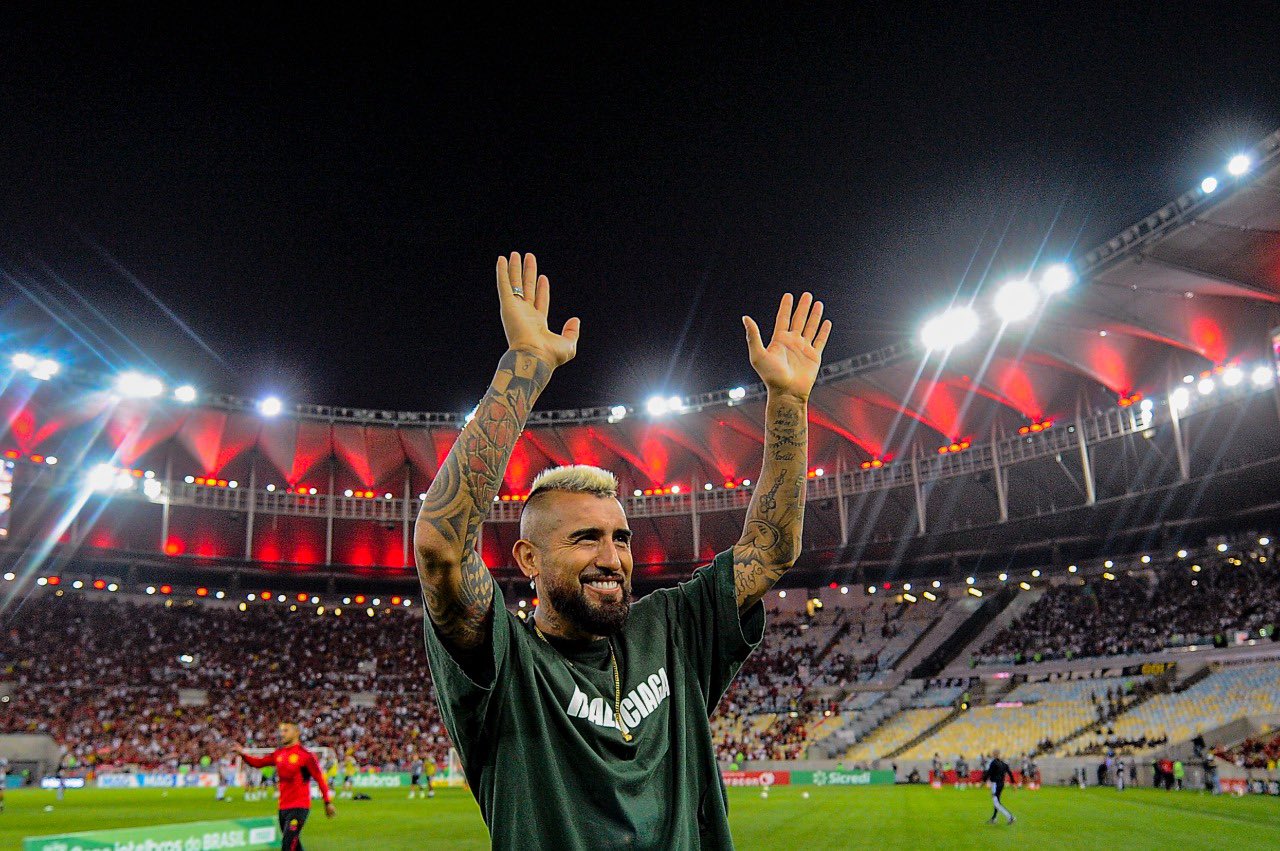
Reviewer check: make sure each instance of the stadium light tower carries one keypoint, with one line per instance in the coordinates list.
(1057, 278)
(135, 385)
(950, 329)
(1238, 165)
(270, 406)
(1016, 301)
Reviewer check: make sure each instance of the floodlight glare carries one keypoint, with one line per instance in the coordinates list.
(950, 329)
(101, 477)
(135, 385)
(1016, 300)
(1209, 185)
(1232, 376)
(656, 406)
(45, 369)
(1238, 165)
(1205, 386)
(738, 393)
(152, 489)
(618, 411)
(1057, 278)
(270, 406)
(24, 361)
(675, 404)
(1146, 406)
(185, 394)
(1262, 375)
(1180, 398)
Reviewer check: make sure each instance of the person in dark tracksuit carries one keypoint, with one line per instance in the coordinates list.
(996, 773)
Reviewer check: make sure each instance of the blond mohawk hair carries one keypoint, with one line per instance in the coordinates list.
(576, 478)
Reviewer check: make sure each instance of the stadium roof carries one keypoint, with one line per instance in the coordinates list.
(1190, 287)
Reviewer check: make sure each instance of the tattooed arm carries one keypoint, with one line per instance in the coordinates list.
(456, 585)
(771, 537)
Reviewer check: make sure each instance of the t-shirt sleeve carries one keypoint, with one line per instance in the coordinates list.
(465, 688)
(716, 639)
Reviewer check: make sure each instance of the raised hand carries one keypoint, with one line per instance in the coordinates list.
(525, 297)
(789, 364)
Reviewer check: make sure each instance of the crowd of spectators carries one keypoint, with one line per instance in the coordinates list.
(1258, 752)
(161, 685)
(1148, 609)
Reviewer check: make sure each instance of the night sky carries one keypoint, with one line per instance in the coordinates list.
(319, 203)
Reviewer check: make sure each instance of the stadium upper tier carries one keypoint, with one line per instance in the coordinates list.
(1196, 600)
(1028, 419)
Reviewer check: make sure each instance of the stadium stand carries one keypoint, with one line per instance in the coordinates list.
(1225, 695)
(111, 694)
(1188, 602)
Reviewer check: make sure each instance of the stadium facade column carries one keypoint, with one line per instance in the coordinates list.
(840, 506)
(164, 501)
(695, 520)
(404, 536)
(328, 520)
(1179, 444)
(915, 481)
(252, 498)
(1001, 477)
(1086, 466)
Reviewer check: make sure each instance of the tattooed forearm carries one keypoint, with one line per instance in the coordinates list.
(771, 538)
(456, 585)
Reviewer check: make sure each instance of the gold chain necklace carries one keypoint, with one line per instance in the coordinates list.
(617, 682)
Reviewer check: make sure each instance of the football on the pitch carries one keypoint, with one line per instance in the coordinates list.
(764, 793)
(48, 808)
(804, 795)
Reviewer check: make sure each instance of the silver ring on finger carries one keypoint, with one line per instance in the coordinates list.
(517, 291)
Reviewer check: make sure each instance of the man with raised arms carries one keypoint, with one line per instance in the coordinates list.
(587, 727)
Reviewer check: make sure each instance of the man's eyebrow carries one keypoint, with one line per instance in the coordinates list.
(596, 531)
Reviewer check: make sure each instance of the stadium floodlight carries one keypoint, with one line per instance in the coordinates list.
(1057, 278)
(1072, 569)
(1180, 398)
(1146, 406)
(656, 406)
(1016, 300)
(618, 412)
(24, 361)
(1205, 386)
(1262, 375)
(45, 369)
(152, 489)
(185, 394)
(1004, 577)
(1232, 376)
(10, 576)
(969, 580)
(135, 385)
(1035, 574)
(707, 486)
(1264, 541)
(950, 329)
(675, 404)
(1209, 185)
(102, 477)
(51, 460)
(738, 393)
(270, 406)
(1238, 165)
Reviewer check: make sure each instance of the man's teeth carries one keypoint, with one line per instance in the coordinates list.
(604, 584)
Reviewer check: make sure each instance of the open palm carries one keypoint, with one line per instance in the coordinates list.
(525, 299)
(789, 364)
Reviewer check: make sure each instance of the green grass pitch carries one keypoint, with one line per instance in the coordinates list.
(875, 817)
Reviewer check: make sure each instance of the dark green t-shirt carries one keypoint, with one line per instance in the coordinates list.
(539, 744)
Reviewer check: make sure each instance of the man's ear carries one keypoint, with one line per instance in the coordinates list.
(526, 558)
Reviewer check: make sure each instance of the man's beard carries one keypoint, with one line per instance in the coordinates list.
(605, 618)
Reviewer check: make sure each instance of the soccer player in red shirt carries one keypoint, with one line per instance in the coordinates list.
(296, 767)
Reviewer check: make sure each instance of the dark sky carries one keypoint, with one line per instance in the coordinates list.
(321, 201)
